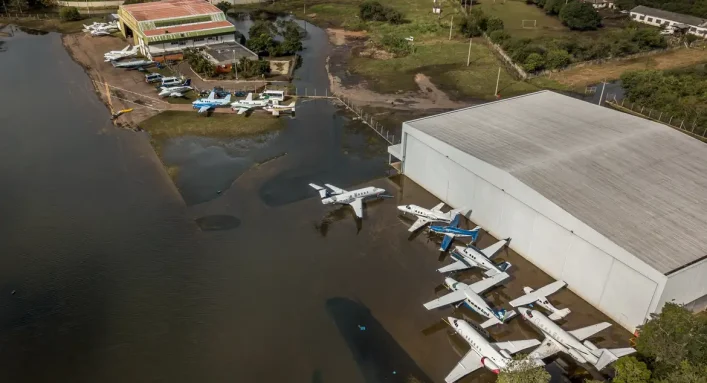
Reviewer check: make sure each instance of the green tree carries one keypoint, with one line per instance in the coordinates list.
(523, 370)
(20, 5)
(625, 5)
(534, 62)
(223, 6)
(494, 24)
(499, 37)
(69, 14)
(553, 7)
(557, 58)
(580, 16)
(687, 373)
(474, 24)
(372, 10)
(631, 370)
(134, 1)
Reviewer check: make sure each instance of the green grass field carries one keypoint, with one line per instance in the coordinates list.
(513, 12)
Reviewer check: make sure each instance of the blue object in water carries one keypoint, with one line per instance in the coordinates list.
(362, 328)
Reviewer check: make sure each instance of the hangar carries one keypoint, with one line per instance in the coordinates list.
(613, 204)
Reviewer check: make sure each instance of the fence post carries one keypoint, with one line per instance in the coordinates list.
(315, 92)
(622, 102)
(661, 115)
(326, 93)
(671, 120)
(642, 109)
(649, 113)
(683, 121)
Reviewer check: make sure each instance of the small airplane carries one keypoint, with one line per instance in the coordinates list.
(275, 108)
(492, 356)
(101, 29)
(117, 55)
(469, 294)
(132, 64)
(242, 106)
(176, 91)
(570, 342)
(333, 195)
(539, 297)
(471, 256)
(425, 216)
(211, 102)
(452, 231)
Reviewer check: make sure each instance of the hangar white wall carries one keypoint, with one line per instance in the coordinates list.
(539, 229)
(687, 285)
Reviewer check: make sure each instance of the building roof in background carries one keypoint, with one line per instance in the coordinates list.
(672, 16)
(188, 28)
(639, 183)
(170, 9)
(222, 54)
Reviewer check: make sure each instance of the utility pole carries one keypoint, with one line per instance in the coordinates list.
(89, 8)
(451, 24)
(603, 86)
(498, 79)
(235, 63)
(304, 7)
(468, 56)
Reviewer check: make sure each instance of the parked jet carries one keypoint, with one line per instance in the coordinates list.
(539, 297)
(425, 216)
(176, 91)
(469, 294)
(332, 194)
(117, 55)
(101, 29)
(493, 356)
(275, 108)
(471, 256)
(452, 231)
(211, 102)
(242, 106)
(569, 342)
(132, 64)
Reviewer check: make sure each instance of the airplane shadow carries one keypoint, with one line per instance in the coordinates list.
(339, 214)
(378, 356)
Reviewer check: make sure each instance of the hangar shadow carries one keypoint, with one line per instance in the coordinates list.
(378, 356)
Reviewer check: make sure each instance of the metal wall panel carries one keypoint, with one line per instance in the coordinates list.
(460, 191)
(426, 166)
(627, 295)
(586, 269)
(686, 285)
(515, 221)
(486, 204)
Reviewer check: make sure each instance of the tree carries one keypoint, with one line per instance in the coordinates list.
(580, 16)
(687, 373)
(557, 58)
(534, 62)
(20, 5)
(625, 5)
(69, 14)
(523, 370)
(372, 10)
(474, 24)
(223, 6)
(499, 37)
(494, 24)
(134, 1)
(553, 7)
(631, 370)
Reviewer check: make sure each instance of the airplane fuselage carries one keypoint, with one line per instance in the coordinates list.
(473, 255)
(350, 196)
(473, 301)
(425, 213)
(457, 232)
(563, 340)
(490, 357)
(210, 103)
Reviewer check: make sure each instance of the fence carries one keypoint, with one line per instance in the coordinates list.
(31, 16)
(686, 124)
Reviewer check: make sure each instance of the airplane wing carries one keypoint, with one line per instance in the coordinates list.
(490, 251)
(357, 205)
(458, 265)
(204, 109)
(585, 332)
(546, 349)
(212, 96)
(249, 97)
(453, 297)
(487, 283)
(517, 345)
(242, 110)
(335, 189)
(469, 363)
(537, 294)
(446, 241)
(175, 94)
(438, 207)
(418, 224)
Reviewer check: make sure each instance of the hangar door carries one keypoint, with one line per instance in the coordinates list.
(426, 166)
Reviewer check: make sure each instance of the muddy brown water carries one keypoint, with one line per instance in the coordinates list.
(106, 275)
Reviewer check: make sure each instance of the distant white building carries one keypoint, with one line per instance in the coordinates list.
(601, 4)
(660, 18)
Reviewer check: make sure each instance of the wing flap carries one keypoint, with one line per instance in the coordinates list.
(487, 283)
(585, 332)
(546, 349)
(357, 205)
(469, 363)
(537, 294)
(335, 189)
(446, 241)
(458, 265)
(203, 109)
(418, 224)
(517, 345)
(242, 110)
(438, 207)
(490, 251)
(453, 297)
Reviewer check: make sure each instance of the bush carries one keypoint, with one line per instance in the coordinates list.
(494, 24)
(499, 37)
(69, 14)
(224, 6)
(128, 2)
(553, 7)
(474, 24)
(396, 45)
(534, 62)
(557, 58)
(250, 68)
(580, 16)
(372, 10)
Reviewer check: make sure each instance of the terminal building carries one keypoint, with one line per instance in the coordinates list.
(613, 204)
(163, 29)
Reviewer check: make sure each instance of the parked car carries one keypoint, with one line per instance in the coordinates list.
(240, 93)
(153, 77)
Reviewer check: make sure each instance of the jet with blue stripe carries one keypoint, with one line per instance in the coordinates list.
(452, 231)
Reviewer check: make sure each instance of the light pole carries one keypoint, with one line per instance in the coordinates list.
(235, 63)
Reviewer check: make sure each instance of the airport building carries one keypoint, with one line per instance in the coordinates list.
(165, 28)
(613, 204)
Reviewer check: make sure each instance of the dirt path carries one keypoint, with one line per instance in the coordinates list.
(428, 97)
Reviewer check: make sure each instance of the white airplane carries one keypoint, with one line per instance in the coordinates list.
(469, 294)
(570, 342)
(493, 356)
(275, 108)
(117, 55)
(211, 102)
(332, 194)
(539, 297)
(471, 256)
(425, 216)
(176, 91)
(101, 29)
(242, 106)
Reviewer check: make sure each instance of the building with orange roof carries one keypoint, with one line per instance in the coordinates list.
(163, 29)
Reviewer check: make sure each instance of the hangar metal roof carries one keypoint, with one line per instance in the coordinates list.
(639, 183)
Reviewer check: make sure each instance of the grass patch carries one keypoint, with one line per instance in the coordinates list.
(513, 13)
(445, 63)
(52, 25)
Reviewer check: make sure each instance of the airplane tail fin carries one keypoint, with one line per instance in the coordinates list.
(323, 193)
(559, 314)
(455, 221)
(455, 212)
(607, 356)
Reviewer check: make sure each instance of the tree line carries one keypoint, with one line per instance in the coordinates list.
(576, 15)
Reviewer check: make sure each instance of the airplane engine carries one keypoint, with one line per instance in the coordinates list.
(577, 356)
(488, 363)
(505, 353)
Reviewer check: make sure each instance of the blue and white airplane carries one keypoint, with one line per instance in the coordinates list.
(177, 90)
(452, 231)
(211, 102)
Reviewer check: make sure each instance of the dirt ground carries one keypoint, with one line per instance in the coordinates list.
(428, 97)
(592, 74)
